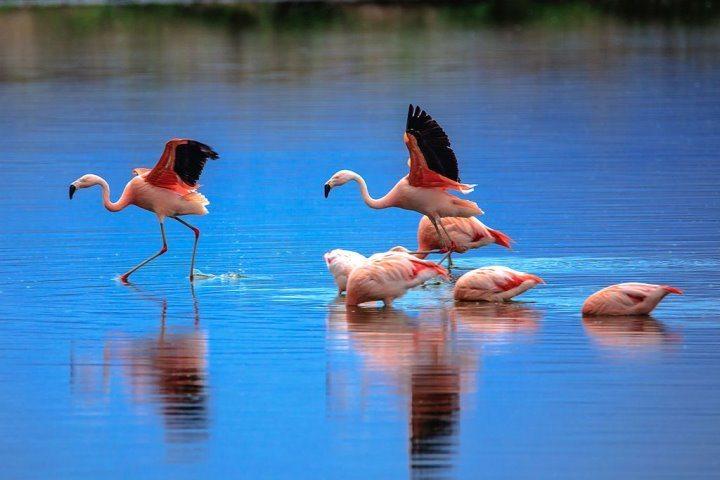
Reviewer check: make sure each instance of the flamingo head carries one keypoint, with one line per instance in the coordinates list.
(339, 178)
(83, 182)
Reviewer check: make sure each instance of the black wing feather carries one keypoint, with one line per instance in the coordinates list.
(190, 159)
(433, 142)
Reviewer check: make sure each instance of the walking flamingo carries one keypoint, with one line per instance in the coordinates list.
(627, 299)
(168, 190)
(466, 233)
(493, 284)
(433, 171)
(389, 277)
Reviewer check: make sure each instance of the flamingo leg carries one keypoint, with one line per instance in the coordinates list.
(447, 255)
(447, 246)
(196, 231)
(452, 243)
(124, 276)
(434, 221)
(424, 252)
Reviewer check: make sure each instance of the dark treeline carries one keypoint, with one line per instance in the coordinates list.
(316, 13)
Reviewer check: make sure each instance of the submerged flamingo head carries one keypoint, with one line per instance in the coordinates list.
(83, 182)
(339, 178)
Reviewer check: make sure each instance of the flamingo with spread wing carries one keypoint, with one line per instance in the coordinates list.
(433, 171)
(168, 190)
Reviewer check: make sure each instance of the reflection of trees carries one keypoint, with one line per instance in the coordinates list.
(34, 43)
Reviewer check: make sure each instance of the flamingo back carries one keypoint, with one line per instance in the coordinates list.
(631, 298)
(466, 232)
(494, 283)
(340, 263)
(389, 277)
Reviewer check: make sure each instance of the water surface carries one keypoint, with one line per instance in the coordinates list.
(595, 148)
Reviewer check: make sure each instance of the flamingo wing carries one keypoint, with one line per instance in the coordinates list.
(180, 165)
(432, 162)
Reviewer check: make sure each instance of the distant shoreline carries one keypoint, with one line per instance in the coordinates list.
(552, 12)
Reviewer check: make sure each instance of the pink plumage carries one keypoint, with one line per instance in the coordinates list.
(627, 299)
(389, 277)
(341, 263)
(433, 171)
(169, 190)
(493, 284)
(466, 233)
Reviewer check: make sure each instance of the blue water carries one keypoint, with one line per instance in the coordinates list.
(595, 148)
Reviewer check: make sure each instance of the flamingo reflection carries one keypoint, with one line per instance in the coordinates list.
(430, 360)
(630, 333)
(496, 321)
(166, 371)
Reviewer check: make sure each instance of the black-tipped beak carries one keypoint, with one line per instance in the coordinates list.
(72, 191)
(327, 189)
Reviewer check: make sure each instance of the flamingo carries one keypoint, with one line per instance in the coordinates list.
(433, 171)
(493, 284)
(389, 277)
(341, 262)
(168, 190)
(466, 233)
(627, 299)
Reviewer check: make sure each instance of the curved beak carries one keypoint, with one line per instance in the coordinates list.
(327, 189)
(72, 190)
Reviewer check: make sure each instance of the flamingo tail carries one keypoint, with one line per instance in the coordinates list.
(500, 238)
(674, 290)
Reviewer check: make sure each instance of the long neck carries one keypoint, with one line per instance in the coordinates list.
(369, 201)
(109, 204)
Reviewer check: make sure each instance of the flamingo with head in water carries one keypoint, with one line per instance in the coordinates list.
(493, 284)
(627, 299)
(388, 276)
(341, 262)
(466, 233)
(433, 171)
(168, 190)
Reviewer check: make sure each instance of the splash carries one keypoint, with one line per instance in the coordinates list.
(224, 276)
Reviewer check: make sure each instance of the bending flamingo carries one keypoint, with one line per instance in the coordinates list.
(341, 262)
(168, 190)
(627, 299)
(466, 233)
(433, 171)
(493, 284)
(389, 277)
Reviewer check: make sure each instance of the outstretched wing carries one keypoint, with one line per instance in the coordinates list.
(180, 165)
(432, 161)
(433, 145)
